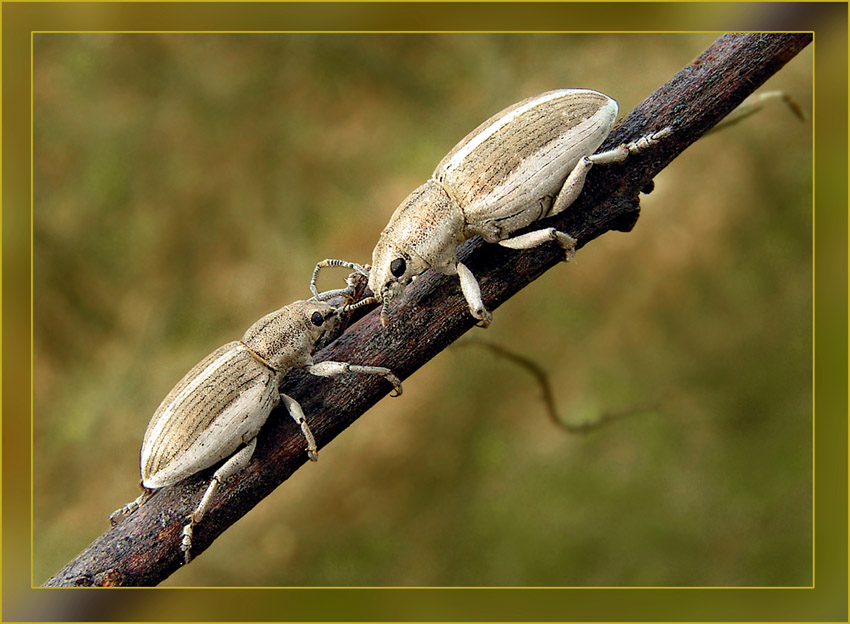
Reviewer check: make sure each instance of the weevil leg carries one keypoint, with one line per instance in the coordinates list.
(572, 187)
(333, 262)
(472, 292)
(621, 152)
(294, 409)
(332, 369)
(117, 516)
(575, 181)
(235, 464)
(538, 237)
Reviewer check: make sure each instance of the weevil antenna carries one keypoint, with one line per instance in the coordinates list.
(359, 304)
(333, 262)
(330, 294)
(385, 304)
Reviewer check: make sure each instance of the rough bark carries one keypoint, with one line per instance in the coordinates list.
(432, 314)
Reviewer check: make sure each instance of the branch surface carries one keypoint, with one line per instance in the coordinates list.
(144, 549)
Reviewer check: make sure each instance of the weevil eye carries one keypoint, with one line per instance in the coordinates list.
(317, 319)
(398, 267)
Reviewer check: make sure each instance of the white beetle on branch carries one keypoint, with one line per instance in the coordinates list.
(221, 404)
(523, 164)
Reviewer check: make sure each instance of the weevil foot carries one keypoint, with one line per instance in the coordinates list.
(567, 242)
(118, 516)
(396, 382)
(648, 141)
(186, 542)
(484, 316)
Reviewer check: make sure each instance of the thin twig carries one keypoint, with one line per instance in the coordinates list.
(540, 375)
(754, 104)
(542, 378)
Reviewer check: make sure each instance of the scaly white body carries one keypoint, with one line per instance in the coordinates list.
(227, 397)
(216, 411)
(525, 163)
(548, 134)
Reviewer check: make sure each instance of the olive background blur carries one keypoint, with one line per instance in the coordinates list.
(186, 184)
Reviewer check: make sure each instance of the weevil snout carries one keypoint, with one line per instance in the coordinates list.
(385, 302)
(392, 270)
(388, 292)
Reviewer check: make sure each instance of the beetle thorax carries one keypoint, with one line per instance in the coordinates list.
(423, 232)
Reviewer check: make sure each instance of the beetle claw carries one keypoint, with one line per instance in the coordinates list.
(396, 384)
(485, 317)
(186, 542)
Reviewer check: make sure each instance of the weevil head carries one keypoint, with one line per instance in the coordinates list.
(423, 232)
(319, 317)
(286, 337)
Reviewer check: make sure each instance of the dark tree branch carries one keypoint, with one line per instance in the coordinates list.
(432, 314)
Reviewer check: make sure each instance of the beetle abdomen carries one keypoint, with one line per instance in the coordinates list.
(219, 404)
(524, 153)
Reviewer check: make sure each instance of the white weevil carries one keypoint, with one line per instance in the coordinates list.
(523, 164)
(217, 409)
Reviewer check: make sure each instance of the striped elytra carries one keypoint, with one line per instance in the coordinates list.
(524, 153)
(224, 400)
(525, 163)
(216, 411)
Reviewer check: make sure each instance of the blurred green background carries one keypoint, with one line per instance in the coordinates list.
(185, 185)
